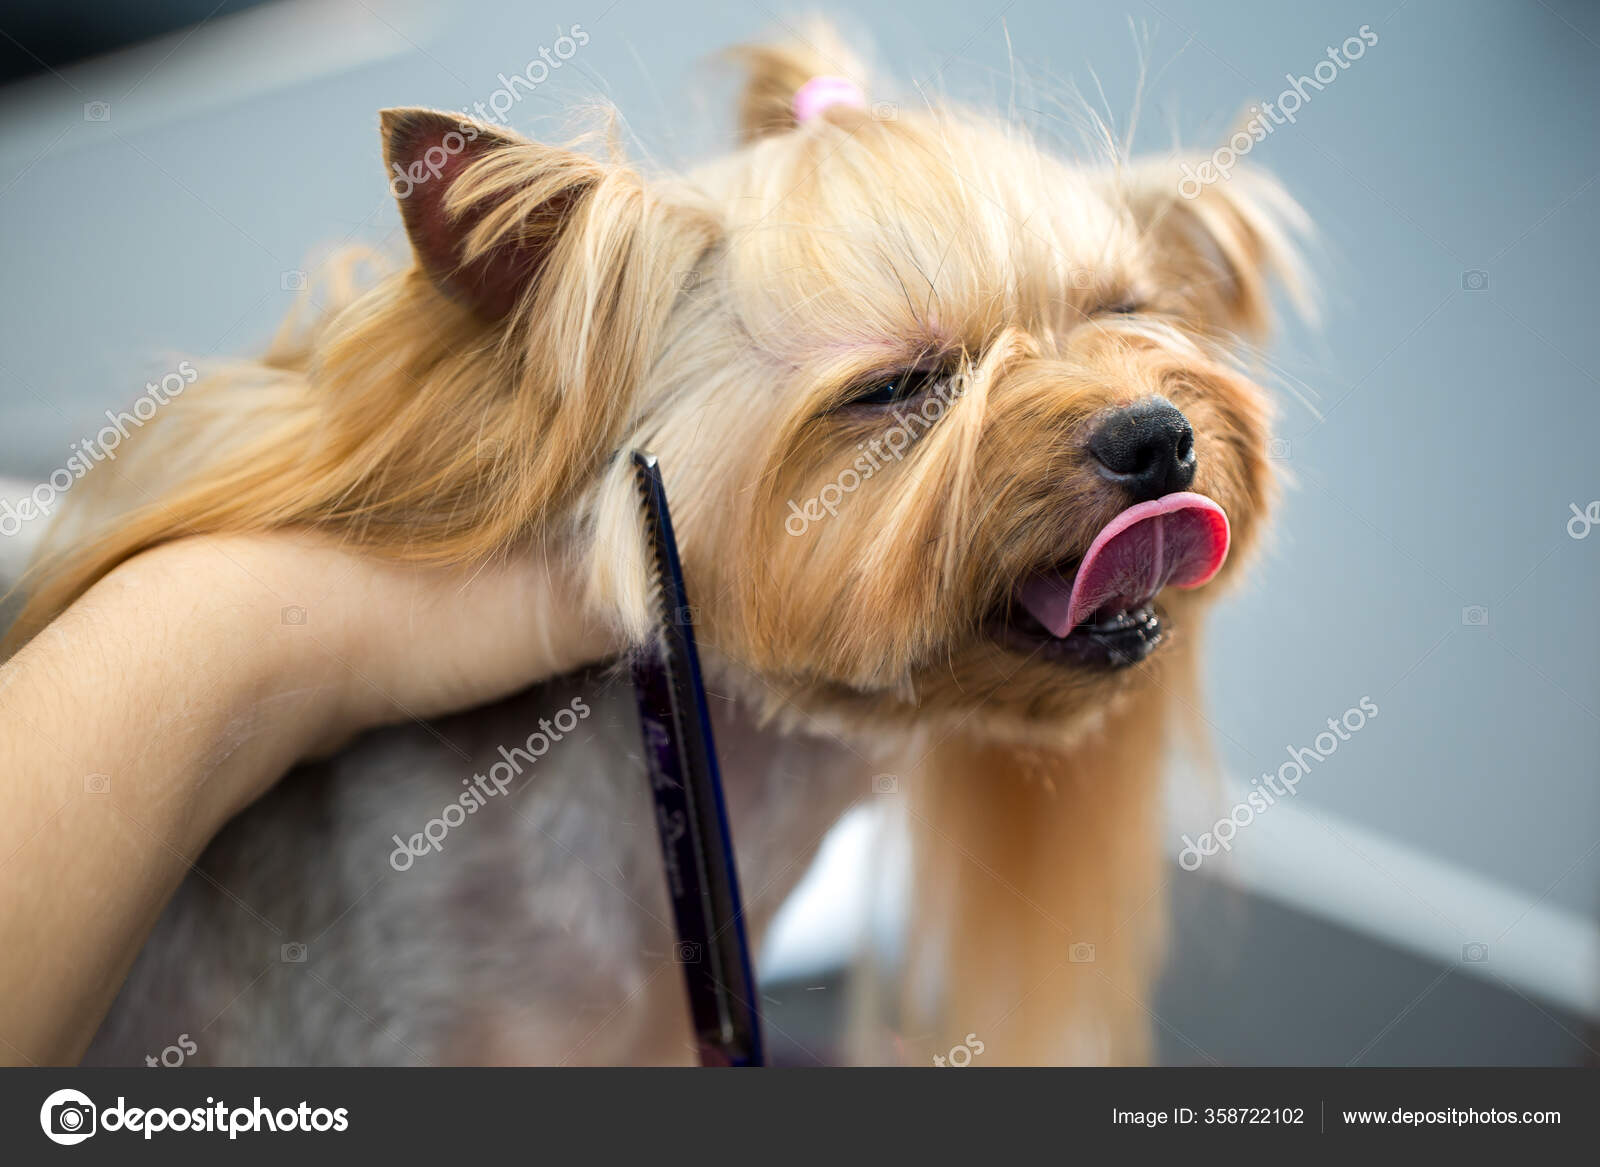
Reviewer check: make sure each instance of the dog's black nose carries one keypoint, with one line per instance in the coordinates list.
(1148, 448)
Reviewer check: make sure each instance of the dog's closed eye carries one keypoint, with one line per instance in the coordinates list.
(892, 389)
(1125, 307)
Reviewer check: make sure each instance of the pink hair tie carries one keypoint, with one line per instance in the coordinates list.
(813, 98)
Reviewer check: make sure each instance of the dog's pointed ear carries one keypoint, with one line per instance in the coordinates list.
(576, 264)
(484, 208)
(1219, 245)
(775, 72)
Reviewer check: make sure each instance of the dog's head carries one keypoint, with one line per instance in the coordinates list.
(946, 422)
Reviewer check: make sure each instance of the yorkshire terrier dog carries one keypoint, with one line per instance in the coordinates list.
(959, 447)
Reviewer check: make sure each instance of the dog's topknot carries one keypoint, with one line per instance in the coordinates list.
(773, 72)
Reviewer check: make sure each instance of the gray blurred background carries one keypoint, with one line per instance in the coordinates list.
(170, 172)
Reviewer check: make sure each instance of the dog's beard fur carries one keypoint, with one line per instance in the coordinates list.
(561, 309)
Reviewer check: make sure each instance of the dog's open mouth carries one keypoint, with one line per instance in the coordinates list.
(1100, 610)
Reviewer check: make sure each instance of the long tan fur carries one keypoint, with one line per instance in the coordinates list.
(408, 425)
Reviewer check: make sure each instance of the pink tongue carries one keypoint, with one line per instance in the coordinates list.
(1178, 539)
